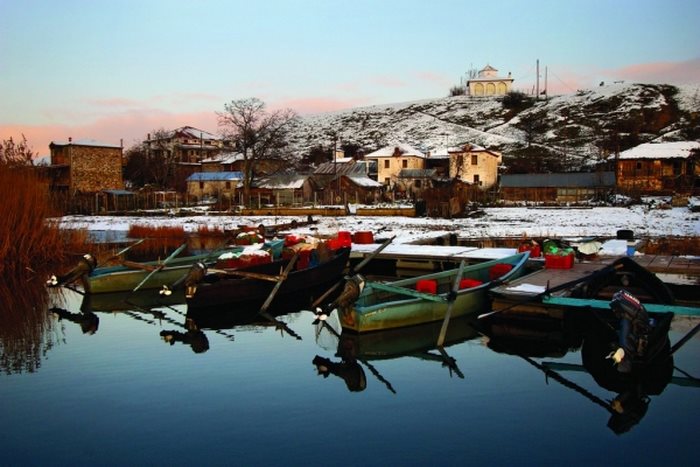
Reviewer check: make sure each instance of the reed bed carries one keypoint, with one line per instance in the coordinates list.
(147, 231)
(28, 244)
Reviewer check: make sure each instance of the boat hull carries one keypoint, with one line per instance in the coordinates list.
(249, 293)
(377, 310)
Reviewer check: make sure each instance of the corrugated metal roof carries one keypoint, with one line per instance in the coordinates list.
(347, 168)
(417, 173)
(559, 180)
(215, 176)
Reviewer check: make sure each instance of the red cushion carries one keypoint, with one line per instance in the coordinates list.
(498, 270)
(469, 283)
(426, 286)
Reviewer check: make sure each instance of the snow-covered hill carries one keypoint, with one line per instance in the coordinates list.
(575, 129)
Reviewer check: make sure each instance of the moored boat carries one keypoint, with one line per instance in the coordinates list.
(252, 286)
(424, 299)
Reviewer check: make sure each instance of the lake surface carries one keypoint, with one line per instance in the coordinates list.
(150, 385)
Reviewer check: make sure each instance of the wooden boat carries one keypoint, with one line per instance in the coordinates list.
(128, 275)
(402, 303)
(250, 287)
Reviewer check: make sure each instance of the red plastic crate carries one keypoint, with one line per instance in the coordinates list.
(469, 283)
(559, 261)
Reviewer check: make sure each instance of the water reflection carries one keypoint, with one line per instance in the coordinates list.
(355, 351)
(595, 337)
(25, 327)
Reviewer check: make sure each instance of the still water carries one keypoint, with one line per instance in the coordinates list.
(143, 383)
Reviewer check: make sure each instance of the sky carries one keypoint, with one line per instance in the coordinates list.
(116, 70)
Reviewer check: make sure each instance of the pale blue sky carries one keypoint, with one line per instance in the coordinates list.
(116, 69)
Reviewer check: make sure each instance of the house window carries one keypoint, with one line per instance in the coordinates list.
(404, 164)
(639, 166)
(228, 185)
(417, 183)
(201, 185)
(475, 159)
(386, 164)
(386, 181)
(476, 179)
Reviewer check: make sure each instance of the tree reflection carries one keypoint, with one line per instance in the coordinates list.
(25, 325)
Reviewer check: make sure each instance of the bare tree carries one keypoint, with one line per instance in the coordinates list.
(16, 153)
(259, 135)
(152, 161)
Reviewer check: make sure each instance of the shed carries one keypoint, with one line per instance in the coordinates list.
(213, 184)
(574, 187)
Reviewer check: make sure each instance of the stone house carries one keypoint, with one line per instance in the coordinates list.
(659, 168)
(220, 185)
(475, 165)
(394, 158)
(85, 166)
(488, 83)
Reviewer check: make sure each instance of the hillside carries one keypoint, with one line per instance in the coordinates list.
(567, 132)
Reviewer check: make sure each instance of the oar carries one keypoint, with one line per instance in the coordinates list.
(565, 285)
(451, 301)
(119, 253)
(352, 272)
(283, 277)
(160, 268)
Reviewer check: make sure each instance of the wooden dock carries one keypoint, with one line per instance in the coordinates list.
(437, 257)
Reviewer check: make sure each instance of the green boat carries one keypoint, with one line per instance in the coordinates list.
(131, 276)
(424, 299)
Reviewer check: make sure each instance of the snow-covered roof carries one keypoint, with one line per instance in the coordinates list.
(388, 151)
(677, 149)
(225, 158)
(364, 181)
(193, 132)
(282, 181)
(215, 176)
(85, 142)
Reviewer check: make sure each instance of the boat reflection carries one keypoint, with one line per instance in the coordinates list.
(356, 351)
(532, 339)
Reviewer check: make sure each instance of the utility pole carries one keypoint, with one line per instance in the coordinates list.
(546, 96)
(537, 88)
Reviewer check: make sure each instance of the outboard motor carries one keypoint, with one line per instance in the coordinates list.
(85, 266)
(194, 277)
(351, 292)
(634, 329)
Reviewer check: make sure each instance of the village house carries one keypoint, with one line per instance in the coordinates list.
(488, 83)
(659, 168)
(85, 166)
(345, 180)
(219, 185)
(475, 165)
(185, 144)
(286, 188)
(224, 162)
(559, 188)
(394, 158)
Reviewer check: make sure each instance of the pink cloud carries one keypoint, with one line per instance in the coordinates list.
(431, 77)
(388, 81)
(129, 127)
(685, 72)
